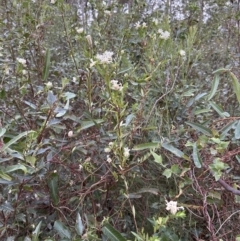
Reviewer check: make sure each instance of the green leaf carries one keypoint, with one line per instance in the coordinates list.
(2, 131)
(200, 111)
(53, 186)
(69, 95)
(62, 229)
(137, 236)
(15, 168)
(46, 65)
(112, 233)
(226, 129)
(167, 173)
(192, 100)
(79, 225)
(219, 110)
(31, 160)
(88, 124)
(175, 151)
(189, 93)
(196, 157)
(51, 98)
(15, 139)
(148, 145)
(237, 131)
(65, 81)
(175, 168)
(220, 71)
(36, 232)
(200, 128)
(214, 87)
(236, 85)
(4, 176)
(157, 158)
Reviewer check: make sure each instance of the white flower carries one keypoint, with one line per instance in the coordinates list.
(92, 63)
(108, 13)
(172, 207)
(105, 58)
(53, 1)
(137, 25)
(107, 149)
(126, 152)
(79, 30)
(74, 79)
(49, 85)
(182, 53)
(109, 160)
(163, 34)
(70, 133)
(115, 85)
(110, 144)
(144, 25)
(24, 72)
(22, 61)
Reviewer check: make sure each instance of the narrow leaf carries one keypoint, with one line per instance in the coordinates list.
(112, 233)
(196, 157)
(15, 168)
(62, 230)
(237, 131)
(219, 110)
(53, 187)
(220, 71)
(173, 149)
(46, 65)
(200, 128)
(79, 225)
(4, 176)
(36, 232)
(214, 87)
(88, 124)
(226, 129)
(236, 85)
(15, 139)
(149, 145)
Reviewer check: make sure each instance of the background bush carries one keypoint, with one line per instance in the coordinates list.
(112, 109)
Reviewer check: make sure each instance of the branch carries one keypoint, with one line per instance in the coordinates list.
(229, 188)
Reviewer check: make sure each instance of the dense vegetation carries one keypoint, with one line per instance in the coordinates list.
(119, 120)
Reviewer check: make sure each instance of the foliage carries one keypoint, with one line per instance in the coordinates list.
(111, 113)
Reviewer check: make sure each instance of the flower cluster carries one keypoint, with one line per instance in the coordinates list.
(115, 85)
(163, 34)
(172, 207)
(105, 58)
(109, 148)
(139, 25)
